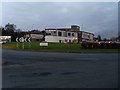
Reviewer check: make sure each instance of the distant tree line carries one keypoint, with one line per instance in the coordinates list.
(101, 45)
(117, 38)
(10, 30)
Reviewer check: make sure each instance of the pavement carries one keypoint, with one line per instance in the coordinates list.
(24, 69)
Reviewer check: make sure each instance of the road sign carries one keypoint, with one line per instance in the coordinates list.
(28, 39)
(22, 39)
(44, 44)
(25, 39)
(17, 39)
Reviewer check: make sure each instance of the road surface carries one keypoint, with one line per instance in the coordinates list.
(24, 69)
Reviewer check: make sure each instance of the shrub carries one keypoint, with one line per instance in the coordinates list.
(100, 45)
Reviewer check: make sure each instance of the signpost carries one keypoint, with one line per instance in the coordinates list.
(29, 42)
(17, 41)
(22, 39)
(44, 44)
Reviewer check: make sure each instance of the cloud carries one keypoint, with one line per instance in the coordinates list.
(96, 17)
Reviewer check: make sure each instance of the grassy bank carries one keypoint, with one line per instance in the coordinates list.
(59, 47)
(51, 46)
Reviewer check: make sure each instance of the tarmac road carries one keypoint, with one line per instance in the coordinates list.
(23, 69)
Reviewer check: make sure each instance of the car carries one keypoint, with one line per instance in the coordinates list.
(3, 41)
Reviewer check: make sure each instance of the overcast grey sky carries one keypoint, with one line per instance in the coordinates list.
(96, 17)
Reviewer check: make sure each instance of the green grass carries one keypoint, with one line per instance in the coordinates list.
(57, 47)
(51, 46)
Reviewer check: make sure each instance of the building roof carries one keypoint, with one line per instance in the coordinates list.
(86, 32)
(62, 29)
(58, 29)
(34, 32)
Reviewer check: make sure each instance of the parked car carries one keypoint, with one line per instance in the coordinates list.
(3, 41)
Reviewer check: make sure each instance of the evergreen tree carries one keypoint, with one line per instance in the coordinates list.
(99, 37)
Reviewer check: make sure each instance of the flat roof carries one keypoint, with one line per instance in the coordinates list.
(57, 28)
(87, 32)
(62, 29)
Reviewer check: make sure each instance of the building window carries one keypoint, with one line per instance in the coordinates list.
(69, 34)
(70, 41)
(65, 40)
(48, 33)
(59, 33)
(54, 32)
(73, 34)
(60, 41)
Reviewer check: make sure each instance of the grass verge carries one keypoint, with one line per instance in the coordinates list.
(56, 47)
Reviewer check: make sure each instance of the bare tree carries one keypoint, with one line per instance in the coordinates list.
(99, 37)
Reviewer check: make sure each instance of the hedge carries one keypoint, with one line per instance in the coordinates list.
(101, 45)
